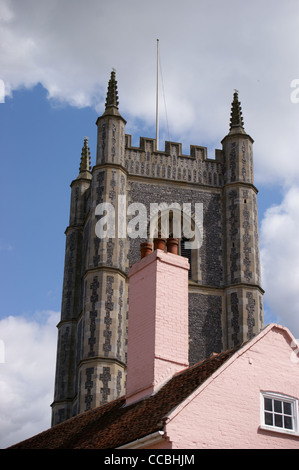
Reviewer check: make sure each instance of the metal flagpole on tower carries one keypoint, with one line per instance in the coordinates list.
(157, 99)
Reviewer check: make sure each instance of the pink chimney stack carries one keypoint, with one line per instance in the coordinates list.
(158, 319)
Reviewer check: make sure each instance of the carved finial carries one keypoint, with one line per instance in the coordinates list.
(112, 95)
(85, 157)
(236, 119)
(111, 107)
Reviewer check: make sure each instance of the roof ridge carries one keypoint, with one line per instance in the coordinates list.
(212, 357)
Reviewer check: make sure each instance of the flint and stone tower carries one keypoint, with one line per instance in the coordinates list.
(225, 294)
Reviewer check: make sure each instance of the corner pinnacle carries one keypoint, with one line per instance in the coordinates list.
(111, 106)
(112, 95)
(85, 166)
(236, 119)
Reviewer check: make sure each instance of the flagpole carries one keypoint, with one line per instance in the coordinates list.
(157, 99)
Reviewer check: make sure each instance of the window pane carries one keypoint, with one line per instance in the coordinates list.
(288, 422)
(268, 404)
(287, 408)
(269, 419)
(278, 420)
(277, 406)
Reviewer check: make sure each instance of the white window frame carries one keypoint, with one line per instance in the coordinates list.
(280, 397)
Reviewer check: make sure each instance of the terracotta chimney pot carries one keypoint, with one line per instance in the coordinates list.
(145, 249)
(159, 243)
(172, 245)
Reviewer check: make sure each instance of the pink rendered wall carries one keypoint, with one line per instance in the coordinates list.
(226, 411)
(158, 322)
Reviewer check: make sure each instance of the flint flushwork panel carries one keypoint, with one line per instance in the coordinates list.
(205, 326)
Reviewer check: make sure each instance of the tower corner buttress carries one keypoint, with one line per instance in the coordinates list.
(71, 304)
(102, 368)
(244, 295)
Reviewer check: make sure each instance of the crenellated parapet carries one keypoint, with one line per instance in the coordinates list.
(172, 164)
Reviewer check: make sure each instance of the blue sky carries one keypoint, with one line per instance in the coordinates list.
(55, 62)
(41, 145)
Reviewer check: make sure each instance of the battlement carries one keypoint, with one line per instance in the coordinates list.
(172, 164)
(197, 152)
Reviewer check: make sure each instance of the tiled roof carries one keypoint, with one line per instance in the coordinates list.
(114, 424)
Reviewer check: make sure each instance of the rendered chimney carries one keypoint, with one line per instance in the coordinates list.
(158, 322)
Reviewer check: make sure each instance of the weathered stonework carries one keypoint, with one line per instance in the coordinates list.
(235, 317)
(225, 295)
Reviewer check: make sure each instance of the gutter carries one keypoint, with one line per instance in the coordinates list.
(150, 439)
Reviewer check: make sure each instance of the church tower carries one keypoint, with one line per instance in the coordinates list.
(243, 274)
(225, 295)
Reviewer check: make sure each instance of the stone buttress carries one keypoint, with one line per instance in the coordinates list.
(243, 292)
(68, 352)
(104, 317)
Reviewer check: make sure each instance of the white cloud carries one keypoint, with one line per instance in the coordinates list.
(27, 375)
(6, 13)
(208, 48)
(280, 259)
